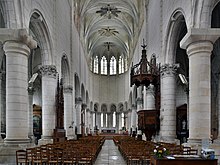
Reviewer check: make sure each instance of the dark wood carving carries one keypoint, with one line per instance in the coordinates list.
(182, 161)
(148, 122)
(59, 132)
(145, 72)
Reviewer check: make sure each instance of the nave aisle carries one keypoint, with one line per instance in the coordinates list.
(109, 155)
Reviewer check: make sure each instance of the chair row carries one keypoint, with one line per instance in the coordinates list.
(83, 151)
(139, 151)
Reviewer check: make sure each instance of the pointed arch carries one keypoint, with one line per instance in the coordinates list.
(77, 86)
(87, 98)
(39, 30)
(65, 70)
(83, 93)
(175, 26)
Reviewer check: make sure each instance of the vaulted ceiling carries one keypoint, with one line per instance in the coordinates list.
(109, 27)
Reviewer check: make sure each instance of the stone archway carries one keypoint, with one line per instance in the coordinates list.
(40, 64)
(175, 62)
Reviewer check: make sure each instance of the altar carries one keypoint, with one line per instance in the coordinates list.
(108, 130)
(183, 161)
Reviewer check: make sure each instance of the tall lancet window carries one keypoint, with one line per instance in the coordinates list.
(125, 64)
(91, 63)
(102, 124)
(104, 65)
(96, 65)
(122, 119)
(120, 65)
(112, 65)
(114, 119)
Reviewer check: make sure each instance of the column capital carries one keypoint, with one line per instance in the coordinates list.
(139, 101)
(169, 69)
(48, 71)
(84, 106)
(199, 47)
(198, 35)
(78, 100)
(118, 113)
(16, 47)
(17, 35)
(68, 89)
(133, 106)
(150, 89)
(98, 113)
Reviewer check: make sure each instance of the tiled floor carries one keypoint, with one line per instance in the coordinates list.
(109, 155)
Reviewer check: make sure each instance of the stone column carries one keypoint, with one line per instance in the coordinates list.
(108, 119)
(68, 112)
(86, 121)
(1, 105)
(117, 121)
(98, 120)
(133, 118)
(30, 113)
(128, 119)
(78, 114)
(16, 92)
(168, 102)
(150, 98)
(144, 98)
(3, 102)
(199, 45)
(49, 86)
(83, 116)
(104, 120)
(111, 120)
(91, 122)
(139, 99)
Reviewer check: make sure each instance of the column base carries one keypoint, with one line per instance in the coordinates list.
(195, 144)
(1, 140)
(71, 137)
(44, 141)
(168, 139)
(16, 141)
(8, 152)
(32, 139)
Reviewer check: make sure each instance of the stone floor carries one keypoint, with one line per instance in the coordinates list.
(109, 155)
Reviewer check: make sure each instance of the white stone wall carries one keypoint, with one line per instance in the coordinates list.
(154, 35)
(112, 89)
